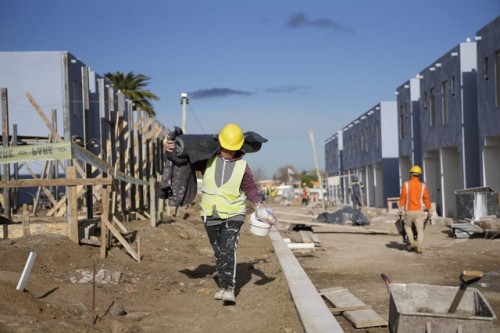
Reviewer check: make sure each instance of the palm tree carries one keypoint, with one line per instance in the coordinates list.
(131, 86)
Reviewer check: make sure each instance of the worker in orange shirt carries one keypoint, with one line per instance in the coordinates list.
(415, 204)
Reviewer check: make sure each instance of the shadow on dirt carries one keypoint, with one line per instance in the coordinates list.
(244, 273)
(396, 245)
(199, 272)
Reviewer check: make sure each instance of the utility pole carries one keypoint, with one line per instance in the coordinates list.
(184, 102)
(320, 179)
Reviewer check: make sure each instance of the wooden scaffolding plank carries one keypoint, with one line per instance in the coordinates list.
(331, 290)
(343, 299)
(72, 206)
(314, 238)
(104, 217)
(355, 311)
(349, 308)
(305, 236)
(51, 128)
(120, 238)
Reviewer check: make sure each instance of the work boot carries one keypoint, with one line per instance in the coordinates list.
(419, 250)
(218, 295)
(228, 296)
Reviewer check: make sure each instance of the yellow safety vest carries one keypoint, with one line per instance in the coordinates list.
(227, 199)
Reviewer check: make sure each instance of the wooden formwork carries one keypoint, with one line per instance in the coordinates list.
(120, 180)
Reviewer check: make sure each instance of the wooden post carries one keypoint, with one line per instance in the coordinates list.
(121, 164)
(113, 118)
(152, 204)
(26, 221)
(5, 142)
(72, 209)
(66, 101)
(131, 154)
(121, 151)
(55, 167)
(104, 129)
(15, 191)
(105, 215)
(140, 161)
(147, 162)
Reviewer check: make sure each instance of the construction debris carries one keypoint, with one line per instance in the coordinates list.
(103, 276)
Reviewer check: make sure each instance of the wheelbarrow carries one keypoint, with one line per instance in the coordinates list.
(422, 308)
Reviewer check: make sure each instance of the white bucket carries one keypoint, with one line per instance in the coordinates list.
(258, 227)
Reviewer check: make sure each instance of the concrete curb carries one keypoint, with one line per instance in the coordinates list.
(313, 312)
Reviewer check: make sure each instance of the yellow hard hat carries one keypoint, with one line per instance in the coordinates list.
(416, 169)
(231, 137)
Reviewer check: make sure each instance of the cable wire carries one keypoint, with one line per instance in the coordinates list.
(196, 118)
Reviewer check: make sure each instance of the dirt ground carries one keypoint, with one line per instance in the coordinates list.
(172, 288)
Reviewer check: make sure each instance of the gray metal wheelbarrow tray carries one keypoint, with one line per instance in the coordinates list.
(421, 308)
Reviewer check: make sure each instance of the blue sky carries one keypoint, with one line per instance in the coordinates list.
(277, 67)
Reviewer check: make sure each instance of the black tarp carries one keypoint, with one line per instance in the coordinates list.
(198, 147)
(344, 216)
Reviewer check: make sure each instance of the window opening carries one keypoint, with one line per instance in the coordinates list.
(432, 106)
(485, 68)
(497, 77)
(444, 102)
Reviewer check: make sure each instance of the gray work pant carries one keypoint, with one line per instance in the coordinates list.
(224, 240)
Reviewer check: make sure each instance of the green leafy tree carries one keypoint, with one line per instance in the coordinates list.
(308, 178)
(132, 86)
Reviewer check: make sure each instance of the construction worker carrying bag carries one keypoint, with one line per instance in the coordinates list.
(227, 185)
(415, 205)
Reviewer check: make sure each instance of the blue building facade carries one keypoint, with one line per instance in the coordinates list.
(449, 126)
(408, 103)
(371, 152)
(334, 168)
(488, 90)
(447, 120)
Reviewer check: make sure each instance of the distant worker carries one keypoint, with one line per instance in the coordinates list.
(415, 205)
(356, 188)
(305, 195)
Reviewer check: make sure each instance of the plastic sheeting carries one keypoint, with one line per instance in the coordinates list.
(198, 147)
(344, 216)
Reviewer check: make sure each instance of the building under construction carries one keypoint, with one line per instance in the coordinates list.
(78, 145)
